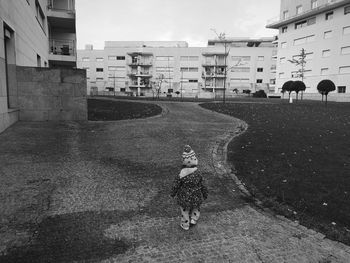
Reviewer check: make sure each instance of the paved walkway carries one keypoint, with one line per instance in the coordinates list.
(99, 192)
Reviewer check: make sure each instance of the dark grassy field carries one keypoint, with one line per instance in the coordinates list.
(296, 159)
(108, 110)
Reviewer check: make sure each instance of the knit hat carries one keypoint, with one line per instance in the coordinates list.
(189, 157)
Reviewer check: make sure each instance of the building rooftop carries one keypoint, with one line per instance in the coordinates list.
(140, 44)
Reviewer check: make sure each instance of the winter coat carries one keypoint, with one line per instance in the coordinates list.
(189, 188)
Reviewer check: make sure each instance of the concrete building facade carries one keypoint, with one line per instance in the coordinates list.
(141, 68)
(322, 29)
(39, 33)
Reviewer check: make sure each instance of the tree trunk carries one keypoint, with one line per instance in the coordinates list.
(326, 100)
(296, 96)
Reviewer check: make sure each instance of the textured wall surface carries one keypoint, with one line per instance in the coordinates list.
(51, 94)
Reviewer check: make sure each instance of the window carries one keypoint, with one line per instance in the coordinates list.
(99, 59)
(120, 57)
(99, 79)
(328, 34)
(99, 69)
(303, 40)
(164, 69)
(311, 21)
(240, 80)
(39, 14)
(273, 81)
(341, 89)
(284, 45)
(112, 58)
(284, 29)
(259, 81)
(345, 50)
(165, 58)
(85, 59)
(347, 10)
(300, 24)
(324, 71)
(260, 69)
(261, 58)
(122, 89)
(346, 30)
(185, 69)
(344, 70)
(326, 53)
(329, 15)
(313, 4)
(285, 14)
(189, 58)
(309, 56)
(281, 75)
(240, 69)
(193, 80)
(282, 60)
(299, 9)
(115, 68)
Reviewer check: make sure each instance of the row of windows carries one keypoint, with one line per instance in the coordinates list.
(314, 4)
(170, 58)
(308, 39)
(310, 21)
(323, 71)
(170, 69)
(325, 53)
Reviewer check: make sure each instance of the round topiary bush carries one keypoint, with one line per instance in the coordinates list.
(286, 86)
(297, 86)
(325, 86)
(259, 94)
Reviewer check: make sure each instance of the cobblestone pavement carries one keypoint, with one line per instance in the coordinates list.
(99, 192)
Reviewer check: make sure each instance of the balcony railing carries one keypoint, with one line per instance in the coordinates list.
(61, 5)
(62, 47)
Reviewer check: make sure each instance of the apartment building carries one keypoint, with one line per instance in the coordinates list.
(322, 29)
(39, 33)
(140, 68)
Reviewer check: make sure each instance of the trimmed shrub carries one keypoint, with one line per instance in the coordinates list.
(297, 86)
(259, 94)
(324, 87)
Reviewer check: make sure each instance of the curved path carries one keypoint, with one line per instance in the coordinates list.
(99, 192)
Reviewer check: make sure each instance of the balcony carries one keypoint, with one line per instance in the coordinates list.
(62, 50)
(219, 63)
(277, 22)
(273, 69)
(274, 53)
(140, 63)
(61, 14)
(142, 74)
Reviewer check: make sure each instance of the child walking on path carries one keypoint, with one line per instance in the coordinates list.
(189, 189)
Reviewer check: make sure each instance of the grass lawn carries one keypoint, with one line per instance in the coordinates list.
(108, 110)
(296, 159)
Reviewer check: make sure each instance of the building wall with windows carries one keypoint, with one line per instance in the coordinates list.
(26, 30)
(140, 68)
(322, 29)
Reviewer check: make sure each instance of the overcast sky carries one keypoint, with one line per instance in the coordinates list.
(184, 20)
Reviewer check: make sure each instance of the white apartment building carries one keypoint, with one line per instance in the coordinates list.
(137, 67)
(39, 33)
(322, 29)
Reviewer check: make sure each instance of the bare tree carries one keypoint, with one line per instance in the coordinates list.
(300, 62)
(222, 37)
(157, 87)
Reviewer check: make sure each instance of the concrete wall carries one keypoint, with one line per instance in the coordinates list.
(51, 94)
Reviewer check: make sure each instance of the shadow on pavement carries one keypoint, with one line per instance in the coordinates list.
(72, 237)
